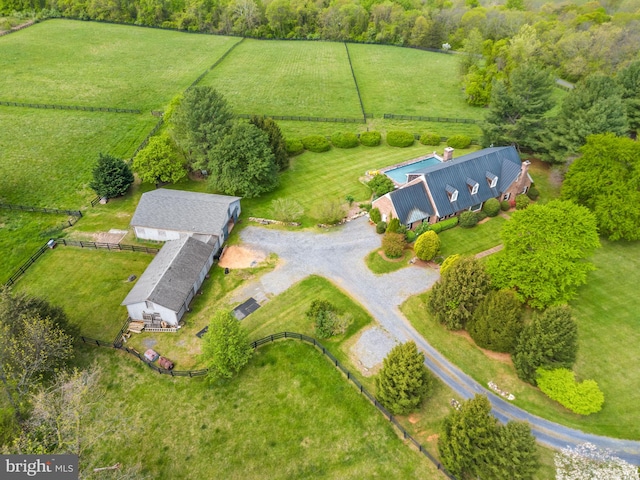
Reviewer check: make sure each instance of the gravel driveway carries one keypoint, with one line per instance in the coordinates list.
(338, 255)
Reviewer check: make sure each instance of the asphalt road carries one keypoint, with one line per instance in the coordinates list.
(338, 255)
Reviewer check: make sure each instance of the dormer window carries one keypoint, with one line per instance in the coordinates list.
(492, 180)
(453, 193)
(473, 186)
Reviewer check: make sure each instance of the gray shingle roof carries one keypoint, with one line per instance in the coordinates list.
(182, 211)
(411, 203)
(171, 275)
(503, 162)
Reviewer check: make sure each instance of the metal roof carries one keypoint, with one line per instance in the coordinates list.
(183, 211)
(170, 276)
(411, 203)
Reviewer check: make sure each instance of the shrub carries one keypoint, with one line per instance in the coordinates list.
(381, 227)
(410, 236)
(491, 207)
(381, 184)
(480, 215)
(505, 205)
(365, 206)
(423, 227)
(522, 201)
(294, 146)
(397, 138)
(316, 143)
(444, 225)
(394, 226)
(286, 210)
(370, 139)
(430, 139)
(459, 141)
(468, 219)
(344, 140)
(427, 246)
(374, 215)
(450, 260)
(329, 212)
(326, 318)
(560, 385)
(393, 244)
(533, 193)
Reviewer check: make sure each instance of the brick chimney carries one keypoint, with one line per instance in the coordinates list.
(448, 154)
(523, 178)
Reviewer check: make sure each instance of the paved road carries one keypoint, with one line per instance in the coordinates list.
(339, 256)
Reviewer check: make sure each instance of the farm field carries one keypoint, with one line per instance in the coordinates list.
(79, 63)
(287, 78)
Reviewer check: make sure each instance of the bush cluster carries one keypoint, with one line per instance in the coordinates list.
(522, 201)
(370, 139)
(468, 219)
(459, 141)
(381, 227)
(444, 225)
(428, 138)
(381, 184)
(410, 236)
(397, 138)
(505, 205)
(560, 385)
(491, 207)
(393, 244)
(326, 318)
(423, 227)
(294, 147)
(316, 143)
(533, 193)
(344, 140)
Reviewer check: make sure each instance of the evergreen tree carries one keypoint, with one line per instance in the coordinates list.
(550, 341)
(629, 80)
(497, 322)
(112, 177)
(226, 346)
(516, 453)
(276, 140)
(460, 289)
(404, 381)
(427, 245)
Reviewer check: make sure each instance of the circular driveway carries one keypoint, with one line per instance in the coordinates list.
(338, 255)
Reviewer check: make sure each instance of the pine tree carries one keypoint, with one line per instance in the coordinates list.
(404, 381)
(112, 177)
(497, 322)
(516, 453)
(276, 140)
(629, 80)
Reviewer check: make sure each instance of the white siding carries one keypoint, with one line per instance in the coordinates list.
(155, 234)
(135, 312)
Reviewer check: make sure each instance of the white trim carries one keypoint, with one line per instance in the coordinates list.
(474, 189)
(494, 182)
(454, 196)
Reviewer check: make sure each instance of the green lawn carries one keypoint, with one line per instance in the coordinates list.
(87, 63)
(48, 155)
(288, 78)
(88, 284)
(608, 322)
(380, 265)
(409, 82)
(469, 241)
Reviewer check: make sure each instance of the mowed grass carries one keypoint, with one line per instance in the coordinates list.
(289, 414)
(96, 64)
(48, 155)
(609, 333)
(409, 82)
(88, 284)
(380, 265)
(469, 241)
(287, 78)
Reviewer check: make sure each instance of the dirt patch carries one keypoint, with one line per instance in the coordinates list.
(501, 357)
(235, 256)
(433, 438)
(414, 418)
(108, 237)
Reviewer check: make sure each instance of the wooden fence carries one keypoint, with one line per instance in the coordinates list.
(429, 119)
(23, 268)
(107, 246)
(84, 108)
(28, 208)
(298, 118)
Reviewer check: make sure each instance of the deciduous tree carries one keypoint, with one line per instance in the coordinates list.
(404, 381)
(159, 161)
(112, 177)
(380, 184)
(225, 346)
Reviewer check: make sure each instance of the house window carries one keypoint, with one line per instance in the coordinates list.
(454, 196)
(506, 196)
(474, 189)
(526, 188)
(494, 182)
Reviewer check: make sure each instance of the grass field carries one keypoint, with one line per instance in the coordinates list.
(80, 63)
(380, 265)
(469, 241)
(288, 78)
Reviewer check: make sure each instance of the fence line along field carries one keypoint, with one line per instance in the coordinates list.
(288, 78)
(95, 64)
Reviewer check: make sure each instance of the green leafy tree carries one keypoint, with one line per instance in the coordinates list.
(201, 120)
(594, 106)
(427, 245)
(380, 185)
(629, 80)
(545, 252)
(404, 381)
(517, 108)
(550, 341)
(225, 346)
(606, 180)
(112, 177)
(497, 322)
(242, 163)
(159, 161)
(583, 398)
(276, 140)
(461, 288)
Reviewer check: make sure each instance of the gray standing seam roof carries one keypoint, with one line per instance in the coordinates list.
(183, 211)
(170, 276)
(411, 203)
(503, 162)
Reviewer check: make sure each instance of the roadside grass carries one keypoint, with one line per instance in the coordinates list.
(608, 337)
(469, 241)
(88, 284)
(409, 82)
(48, 155)
(380, 265)
(269, 77)
(289, 414)
(96, 64)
